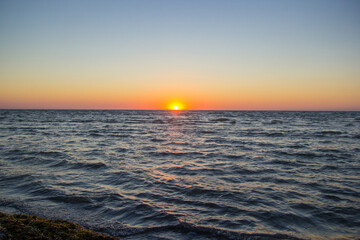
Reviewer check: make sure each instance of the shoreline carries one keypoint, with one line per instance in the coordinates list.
(24, 226)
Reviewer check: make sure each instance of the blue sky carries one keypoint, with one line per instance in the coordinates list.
(220, 47)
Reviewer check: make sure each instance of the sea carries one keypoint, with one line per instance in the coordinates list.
(185, 174)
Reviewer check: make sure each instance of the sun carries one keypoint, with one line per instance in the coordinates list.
(176, 105)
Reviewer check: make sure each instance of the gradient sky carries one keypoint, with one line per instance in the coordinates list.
(132, 54)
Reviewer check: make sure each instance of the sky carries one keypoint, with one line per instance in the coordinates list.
(203, 54)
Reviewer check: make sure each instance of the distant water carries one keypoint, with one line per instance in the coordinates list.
(186, 175)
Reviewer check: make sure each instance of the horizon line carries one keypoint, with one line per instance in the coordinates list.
(238, 110)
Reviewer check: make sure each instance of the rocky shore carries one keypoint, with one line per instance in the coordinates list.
(22, 226)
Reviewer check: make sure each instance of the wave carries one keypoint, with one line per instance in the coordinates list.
(72, 199)
(15, 178)
(325, 133)
(356, 136)
(235, 156)
(86, 165)
(96, 134)
(158, 121)
(188, 171)
(299, 154)
(185, 228)
(207, 132)
(274, 134)
(113, 135)
(247, 171)
(175, 154)
(111, 121)
(223, 120)
(157, 140)
(273, 122)
(82, 120)
(286, 162)
(89, 165)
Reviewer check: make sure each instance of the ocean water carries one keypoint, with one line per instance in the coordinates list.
(186, 174)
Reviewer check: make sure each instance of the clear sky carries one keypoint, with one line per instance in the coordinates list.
(141, 54)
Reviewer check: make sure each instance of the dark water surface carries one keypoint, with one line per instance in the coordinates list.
(186, 175)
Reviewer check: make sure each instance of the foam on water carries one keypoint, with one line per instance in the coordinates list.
(186, 175)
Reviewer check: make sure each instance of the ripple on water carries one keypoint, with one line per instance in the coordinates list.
(189, 175)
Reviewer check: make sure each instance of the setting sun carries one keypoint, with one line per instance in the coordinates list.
(176, 105)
